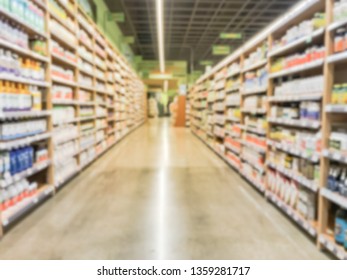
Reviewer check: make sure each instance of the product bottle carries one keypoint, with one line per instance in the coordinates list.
(16, 98)
(28, 99)
(340, 226)
(36, 99)
(2, 97)
(332, 178)
(6, 4)
(9, 97)
(21, 106)
(13, 168)
(341, 181)
(343, 188)
(4, 196)
(2, 63)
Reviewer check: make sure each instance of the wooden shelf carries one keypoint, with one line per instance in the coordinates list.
(23, 51)
(23, 115)
(332, 108)
(86, 72)
(64, 82)
(255, 147)
(14, 213)
(233, 119)
(21, 142)
(232, 74)
(65, 102)
(26, 27)
(337, 58)
(254, 130)
(296, 98)
(329, 243)
(254, 66)
(254, 111)
(37, 167)
(65, 43)
(63, 61)
(334, 197)
(301, 68)
(336, 156)
(254, 91)
(298, 43)
(336, 25)
(41, 84)
(231, 148)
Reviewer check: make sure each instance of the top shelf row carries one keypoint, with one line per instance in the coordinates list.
(67, 25)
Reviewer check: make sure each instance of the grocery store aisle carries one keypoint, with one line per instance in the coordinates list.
(159, 194)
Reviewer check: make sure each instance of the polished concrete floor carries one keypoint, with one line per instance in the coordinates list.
(159, 194)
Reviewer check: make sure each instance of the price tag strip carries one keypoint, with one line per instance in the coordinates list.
(298, 97)
(335, 156)
(314, 157)
(297, 123)
(8, 145)
(331, 246)
(254, 91)
(334, 197)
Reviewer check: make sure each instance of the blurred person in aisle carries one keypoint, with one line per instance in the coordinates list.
(152, 107)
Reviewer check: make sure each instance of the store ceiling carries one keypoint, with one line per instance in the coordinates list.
(193, 26)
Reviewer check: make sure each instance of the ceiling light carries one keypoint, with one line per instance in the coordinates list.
(160, 32)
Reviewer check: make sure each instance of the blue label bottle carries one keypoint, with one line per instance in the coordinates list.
(340, 226)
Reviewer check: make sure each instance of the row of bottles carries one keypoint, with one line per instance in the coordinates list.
(18, 97)
(14, 66)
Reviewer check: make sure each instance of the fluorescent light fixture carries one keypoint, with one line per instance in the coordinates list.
(160, 32)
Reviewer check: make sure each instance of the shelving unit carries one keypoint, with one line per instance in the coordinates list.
(334, 72)
(290, 130)
(88, 100)
(254, 111)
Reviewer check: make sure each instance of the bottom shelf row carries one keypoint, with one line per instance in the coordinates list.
(295, 198)
(22, 195)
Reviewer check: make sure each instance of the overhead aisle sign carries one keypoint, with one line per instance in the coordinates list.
(230, 36)
(221, 49)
